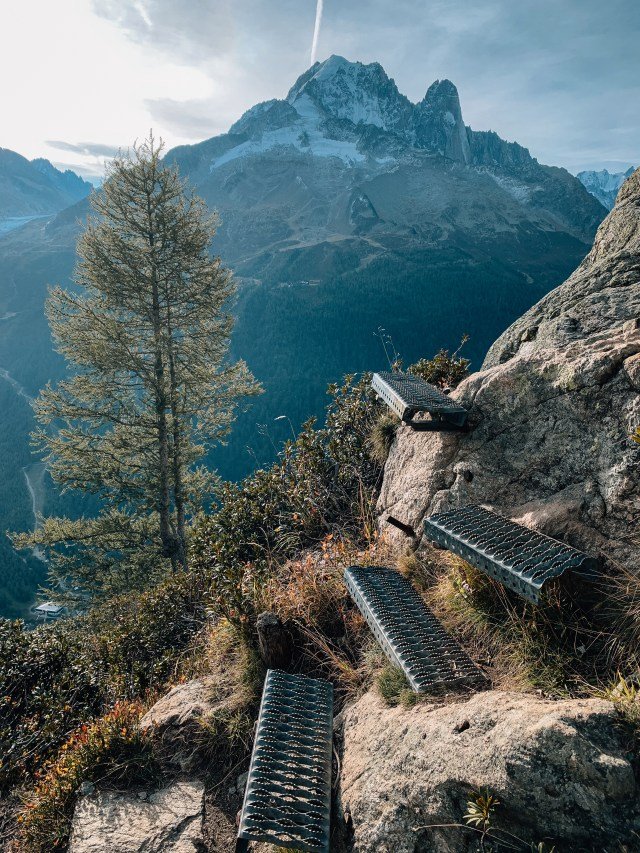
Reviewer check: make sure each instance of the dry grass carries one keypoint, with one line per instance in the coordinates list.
(560, 646)
(234, 677)
(310, 597)
(620, 592)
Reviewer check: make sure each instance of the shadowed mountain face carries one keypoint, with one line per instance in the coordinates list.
(32, 188)
(345, 209)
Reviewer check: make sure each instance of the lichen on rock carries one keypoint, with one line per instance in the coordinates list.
(559, 769)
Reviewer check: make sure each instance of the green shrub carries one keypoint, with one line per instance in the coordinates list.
(57, 677)
(111, 750)
(445, 369)
(324, 480)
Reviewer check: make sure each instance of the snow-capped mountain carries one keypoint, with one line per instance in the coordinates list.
(36, 187)
(604, 185)
(344, 136)
(345, 208)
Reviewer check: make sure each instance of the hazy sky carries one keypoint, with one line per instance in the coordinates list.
(82, 77)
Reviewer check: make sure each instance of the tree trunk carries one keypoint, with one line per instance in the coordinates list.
(178, 491)
(164, 506)
(274, 642)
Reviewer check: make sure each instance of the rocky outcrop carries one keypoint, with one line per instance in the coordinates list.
(175, 721)
(559, 770)
(166, 821)
(438, 122)
(551, 411)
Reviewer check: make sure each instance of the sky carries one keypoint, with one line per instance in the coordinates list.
(82, 78)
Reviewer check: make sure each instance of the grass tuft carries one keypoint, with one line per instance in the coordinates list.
(382, 437)
(394, 688)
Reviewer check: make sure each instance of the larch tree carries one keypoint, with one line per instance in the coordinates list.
(146, 335)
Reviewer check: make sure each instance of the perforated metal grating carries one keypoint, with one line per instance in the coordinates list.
(407, 395)
(409, 633)
(519, 558)
(288, 795)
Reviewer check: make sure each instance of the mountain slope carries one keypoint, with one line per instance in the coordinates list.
(604, 185)
(345, 209)
(31, 188)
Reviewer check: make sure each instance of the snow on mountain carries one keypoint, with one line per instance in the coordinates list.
(604, 185)
(334, 110)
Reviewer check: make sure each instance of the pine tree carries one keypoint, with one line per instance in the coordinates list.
(146, 335)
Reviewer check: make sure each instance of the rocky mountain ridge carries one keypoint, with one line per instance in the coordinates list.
(36, 187)
(603, 185)
(353, 113)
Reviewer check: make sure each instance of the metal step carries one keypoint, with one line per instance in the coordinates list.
(519, 558)
(409, 633)
(407, 395)
(287, 800)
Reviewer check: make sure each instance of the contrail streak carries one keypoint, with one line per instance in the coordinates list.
(316, 31)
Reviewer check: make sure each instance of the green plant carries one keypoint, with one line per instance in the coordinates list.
(57, 677)
(110, 751)
(445, 369)
(479, 818)
(394, 687)
(624, 692)
(635, 435)
(382, 436)
(480, 809)
(323, 480)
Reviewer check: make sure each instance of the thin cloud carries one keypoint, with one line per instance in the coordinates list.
(191, 31)
(194, 119)
(89, 149)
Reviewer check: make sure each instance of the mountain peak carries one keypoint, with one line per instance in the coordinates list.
(439, 122)
(604, 185)
(352, 91)
(325, 72)
(35, 187)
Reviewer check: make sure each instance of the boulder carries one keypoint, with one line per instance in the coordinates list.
(166, 821)
(175, 721)
(559, 770)
(550, 412)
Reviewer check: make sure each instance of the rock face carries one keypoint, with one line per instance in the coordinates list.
(175, 721)
(551, 411)
(558, 769)
(167, 821)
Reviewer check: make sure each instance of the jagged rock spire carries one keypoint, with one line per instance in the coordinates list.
(439, 124)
